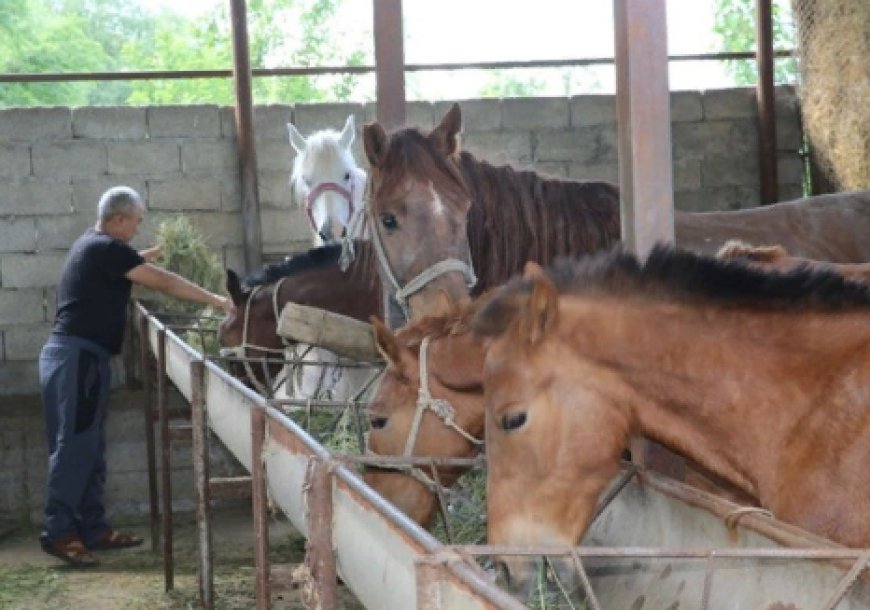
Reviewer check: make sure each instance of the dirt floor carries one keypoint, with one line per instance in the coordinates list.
(134, 579)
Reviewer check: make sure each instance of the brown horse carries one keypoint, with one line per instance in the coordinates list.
(432, 204)
(775, 258)
(311, 278)
(760, 377)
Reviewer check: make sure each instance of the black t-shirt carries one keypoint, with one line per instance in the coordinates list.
(93, 292)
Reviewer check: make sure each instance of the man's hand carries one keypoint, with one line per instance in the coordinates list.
(226, 303)
(151, 254)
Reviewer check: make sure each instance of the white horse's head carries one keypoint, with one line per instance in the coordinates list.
(327, 183)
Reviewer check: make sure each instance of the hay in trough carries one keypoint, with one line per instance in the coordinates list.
(834, 47)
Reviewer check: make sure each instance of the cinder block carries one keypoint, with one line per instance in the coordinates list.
(736, 137)
(726, 170)
(790, 169)
(17, 234)
(789, 191)
(551, 169)
(23, 342)
(729, 104)
(86, 192)
(31, 270)
(686, 106)
(270, 122)
(216, 157)
(687, 174)
(21, 306)
(15, 161)
(607, 172)
(199, 121)
(500, 147)
(59, 232)
(589, 110)
(579, 145)
(234, 258)
(231, 195)
(789, 136)
(144, 158)
(714, 199)
(31, 124)
(228, 121)
(275, 155)
(184, 193)
(477, 115)
(284, 226)
(308, 118)
(274, 190)
(109, 123)
(31, 197)
(56, 160)
(536, 113)
(19, 378)
(422, 115)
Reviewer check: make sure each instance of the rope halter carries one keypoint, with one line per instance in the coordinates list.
(334, 187)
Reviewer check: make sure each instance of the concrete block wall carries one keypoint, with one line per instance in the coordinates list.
(55, 163)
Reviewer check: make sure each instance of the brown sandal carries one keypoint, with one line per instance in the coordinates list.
(113, 539)
(71, 550)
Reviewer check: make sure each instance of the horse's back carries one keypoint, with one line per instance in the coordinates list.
(833, 228)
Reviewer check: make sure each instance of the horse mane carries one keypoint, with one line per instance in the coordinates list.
(675, 274)
(735, 249)
(454, 322)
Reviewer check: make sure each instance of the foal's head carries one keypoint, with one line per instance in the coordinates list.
(452, 373)
(418, 205)
(251, 328)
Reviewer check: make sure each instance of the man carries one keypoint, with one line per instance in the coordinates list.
(74, 372)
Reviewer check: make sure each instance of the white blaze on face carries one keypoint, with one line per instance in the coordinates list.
(438, 207)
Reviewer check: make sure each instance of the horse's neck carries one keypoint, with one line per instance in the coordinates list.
(725, 389)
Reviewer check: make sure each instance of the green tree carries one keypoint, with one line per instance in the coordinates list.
(502, 83)
(735, 25)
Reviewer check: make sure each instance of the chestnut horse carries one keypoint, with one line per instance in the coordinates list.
(775, 258)
(442, 219)
(760, 377)
(311, 278)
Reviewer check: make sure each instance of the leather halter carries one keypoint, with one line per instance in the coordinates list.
(334, 187)
(240, 351)
(416, 284)
(442, 409)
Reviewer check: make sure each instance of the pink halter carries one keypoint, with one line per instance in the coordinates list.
(321, 188)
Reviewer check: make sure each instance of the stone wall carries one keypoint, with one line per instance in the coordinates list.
(55, 162)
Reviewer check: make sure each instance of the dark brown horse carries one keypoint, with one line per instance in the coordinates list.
(761, 377)
(430, 202)
(311, 278)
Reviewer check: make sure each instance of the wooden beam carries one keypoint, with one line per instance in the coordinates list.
(389, 63)
(766, 103)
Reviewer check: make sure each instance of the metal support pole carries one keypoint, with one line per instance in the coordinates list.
(766, 97)
(321, 558)
(199, 452)
(259, 503)
(245, 137)
(150, 450)
(389, 63)
(427, 571)
(165, 462)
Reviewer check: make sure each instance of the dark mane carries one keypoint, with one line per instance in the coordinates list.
(675, 274)
(314, 258)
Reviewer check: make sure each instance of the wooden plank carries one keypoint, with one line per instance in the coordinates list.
(340, 334)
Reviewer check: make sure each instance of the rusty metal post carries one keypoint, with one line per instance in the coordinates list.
(150, 450)
(321, 558)
(645, 173)
(199, 453)
(766, 97)
(389, 63)
(259, 503)
(165, 461)
(245, 136)
(428, 571)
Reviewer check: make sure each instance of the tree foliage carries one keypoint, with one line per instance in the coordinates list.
(735, 26)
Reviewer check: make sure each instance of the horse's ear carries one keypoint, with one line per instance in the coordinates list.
(533, 271)
(375, 143)
(541, 311)
(445, 137)
(349, 132)
(234, 288)
(386, 343)
(296, 140)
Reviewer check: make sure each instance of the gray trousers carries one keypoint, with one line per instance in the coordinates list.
(75, 378)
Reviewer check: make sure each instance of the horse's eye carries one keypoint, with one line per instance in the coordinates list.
(347, 177)
(378, 423)
(389, 221)
(512, 421)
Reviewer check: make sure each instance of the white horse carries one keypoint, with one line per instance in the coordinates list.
(327, 183)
